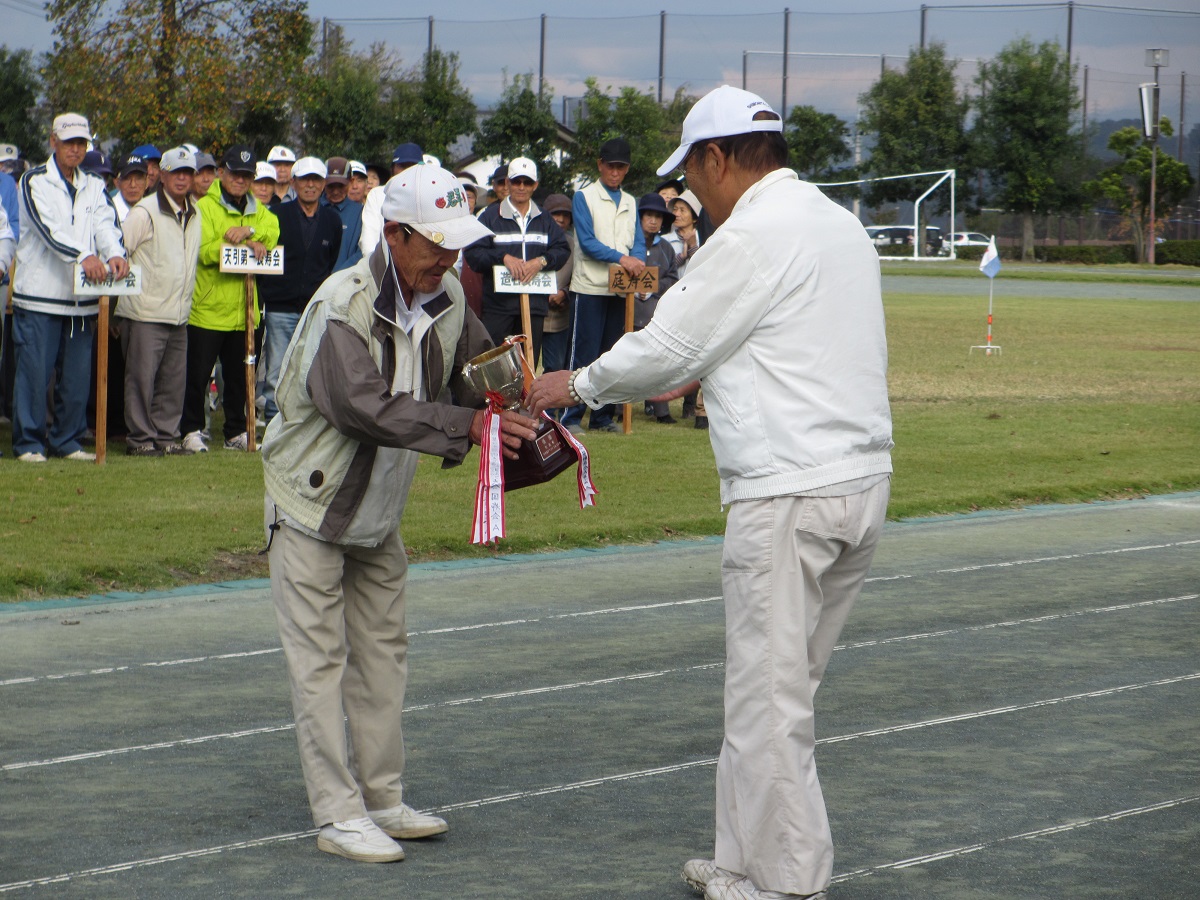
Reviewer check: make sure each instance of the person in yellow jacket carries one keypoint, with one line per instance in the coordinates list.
(229, 214)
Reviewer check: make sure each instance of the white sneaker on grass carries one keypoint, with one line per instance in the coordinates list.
(744, 889)
(241, 442)
(359, 840)
(699, 872)
(81, 456)
(405, 822)
(32, 456)
(195, 442)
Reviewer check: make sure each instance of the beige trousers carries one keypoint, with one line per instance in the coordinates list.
(341, 621)
(792, 569)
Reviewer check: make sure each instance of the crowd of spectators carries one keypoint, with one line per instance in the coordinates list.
(81, 216)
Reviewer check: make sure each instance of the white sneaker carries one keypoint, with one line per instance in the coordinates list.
(360, 840)
(241, 442)
(405, 822)
(194, 442)
(32, 456)
(699, 872)
(744, 889)
(81, 456)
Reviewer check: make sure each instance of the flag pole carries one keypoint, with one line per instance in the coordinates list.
(989, 266)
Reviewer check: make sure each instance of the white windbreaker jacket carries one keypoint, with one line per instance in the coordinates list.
(781, 316)
(56, 233)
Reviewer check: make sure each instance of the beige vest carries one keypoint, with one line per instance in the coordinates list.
(168, 261)
(614, 226)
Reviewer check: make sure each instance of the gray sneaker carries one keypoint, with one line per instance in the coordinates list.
(241, 442)
(744, 889)
(194, 442)
(359, 840)
(176, 448)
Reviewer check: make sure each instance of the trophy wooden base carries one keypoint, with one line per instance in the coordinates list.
(538, 460)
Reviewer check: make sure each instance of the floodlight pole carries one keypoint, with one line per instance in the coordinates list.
(1155, 58)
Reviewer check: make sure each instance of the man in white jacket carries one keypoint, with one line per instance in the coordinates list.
(66, 218)
(780, 316)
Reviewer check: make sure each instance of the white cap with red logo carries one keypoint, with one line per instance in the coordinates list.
(431, 201)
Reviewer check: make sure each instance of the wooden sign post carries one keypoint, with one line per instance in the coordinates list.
(104, 291)
(621, 282)
(238, 258)
(541, 283)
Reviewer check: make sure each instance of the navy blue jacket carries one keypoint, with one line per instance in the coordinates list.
(303, 269)
(542, 237)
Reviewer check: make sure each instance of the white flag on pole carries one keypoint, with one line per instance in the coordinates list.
(990, 264)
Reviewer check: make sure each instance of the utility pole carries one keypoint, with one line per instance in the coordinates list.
(1156, 58)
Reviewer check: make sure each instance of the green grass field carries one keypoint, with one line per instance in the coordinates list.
(1090, 400)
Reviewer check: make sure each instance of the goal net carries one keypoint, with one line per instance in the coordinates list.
(900, 241)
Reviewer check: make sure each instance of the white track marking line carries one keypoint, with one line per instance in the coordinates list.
(554, 688)
(581, 785)
(1024, 836)
(32, 679)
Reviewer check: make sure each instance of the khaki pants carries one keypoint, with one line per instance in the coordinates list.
(792, 569)
(341, 621)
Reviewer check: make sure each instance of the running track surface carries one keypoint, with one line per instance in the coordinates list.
(1012, 712)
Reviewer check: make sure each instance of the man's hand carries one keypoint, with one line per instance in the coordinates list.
(549, 392)
(258, 249)
(522, 269)
(238, 234)
(632, 265)
(119, 266)
(514, 428)
(559, 300)
(93, 269)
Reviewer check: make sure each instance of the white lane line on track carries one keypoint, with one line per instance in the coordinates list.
(616, 679)
(33, 679)
(580, 785)
(1024, 836)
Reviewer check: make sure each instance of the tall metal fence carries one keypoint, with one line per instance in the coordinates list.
(822, 59)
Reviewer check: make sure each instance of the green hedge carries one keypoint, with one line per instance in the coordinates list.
(1180, 253)
(1087, 254)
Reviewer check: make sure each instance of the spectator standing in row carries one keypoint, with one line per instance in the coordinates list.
(607, 231)
(655, 218)
(499, 185)
(132, 181)
(8, 245)
(556, 330)
(526, 241)
(152, 156)
(217, 323)
(403, 157)
(162, 235)
(357, 190)
(206, 174)
(337, 198)
(66, 218)
(98, 164)
(685, 239)
(264, 184)
(12, 211)
(311, 236)
(282, 159)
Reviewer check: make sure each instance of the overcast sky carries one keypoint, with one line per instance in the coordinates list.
(835, 55)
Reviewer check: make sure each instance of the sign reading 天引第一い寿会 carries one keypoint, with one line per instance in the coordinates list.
(239, 259)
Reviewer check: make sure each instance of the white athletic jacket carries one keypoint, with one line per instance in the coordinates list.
(780, 314)
(56, 233)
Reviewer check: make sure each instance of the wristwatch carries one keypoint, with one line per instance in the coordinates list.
(545, 262)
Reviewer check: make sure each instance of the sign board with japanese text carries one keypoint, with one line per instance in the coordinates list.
(239, 259)
(621, 282)
(541, 283)
(110, 287)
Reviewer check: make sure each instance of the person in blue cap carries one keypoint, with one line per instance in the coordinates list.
(152, 156)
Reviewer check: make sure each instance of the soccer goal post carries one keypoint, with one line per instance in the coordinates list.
(885, 236)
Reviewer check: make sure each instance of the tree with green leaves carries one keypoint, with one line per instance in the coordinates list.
(816, 141)
(1026, 135)
(523, 124)
(19, 88)
(650, 129)
(917, 119)
(166, 71)
(1126, 183)
(431, 106)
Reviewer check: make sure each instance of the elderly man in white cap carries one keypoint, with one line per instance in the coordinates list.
(780, 316)
(66, 219)
(369, 383)
(282, 159)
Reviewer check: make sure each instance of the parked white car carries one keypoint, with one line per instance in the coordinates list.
(969, 239)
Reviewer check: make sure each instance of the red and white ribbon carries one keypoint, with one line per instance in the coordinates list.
(489, 492)
(583, 472)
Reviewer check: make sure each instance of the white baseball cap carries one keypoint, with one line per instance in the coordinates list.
(431, 201)
(264, 171)
(177, 159)
(309, 165)
(69, 126)
(8, 151)
(280, 153)
(357, 168)
(522, 167)
(428, 159)
(721, 113)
